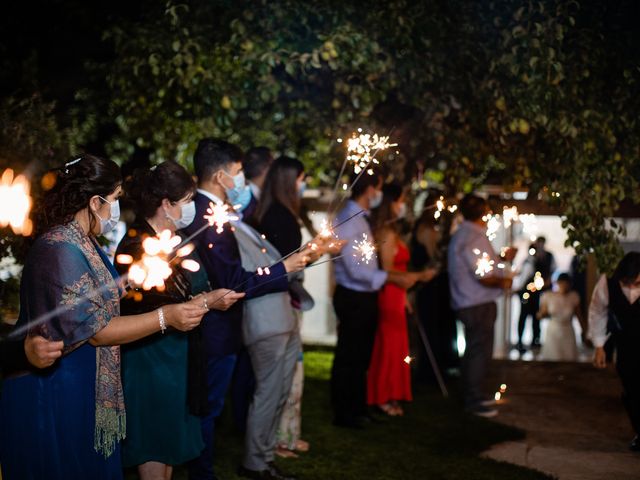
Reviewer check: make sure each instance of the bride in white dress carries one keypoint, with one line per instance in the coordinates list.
(560, 306)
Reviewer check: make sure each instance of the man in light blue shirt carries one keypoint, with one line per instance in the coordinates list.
(356, 304)
(476, 281)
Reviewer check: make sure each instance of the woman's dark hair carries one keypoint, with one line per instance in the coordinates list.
(256, 161)
(280, 187)
(383, 216)
(564, 277)
(473, 207)
(149, 187)
(73, 185)
(628, 269)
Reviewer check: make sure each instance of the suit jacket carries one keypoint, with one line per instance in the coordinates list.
(270, 314)
(220, 257)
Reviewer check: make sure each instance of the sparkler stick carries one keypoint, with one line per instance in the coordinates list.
(432, 359)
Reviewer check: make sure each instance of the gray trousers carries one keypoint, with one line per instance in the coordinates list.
(478, 331)
(274, 361)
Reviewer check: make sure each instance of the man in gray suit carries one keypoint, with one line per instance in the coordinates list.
(272, 339)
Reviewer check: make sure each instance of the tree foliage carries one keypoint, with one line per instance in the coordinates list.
(536, 95)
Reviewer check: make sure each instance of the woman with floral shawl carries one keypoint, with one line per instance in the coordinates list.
(66, 422)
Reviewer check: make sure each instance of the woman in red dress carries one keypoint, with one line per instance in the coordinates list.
(389, 376)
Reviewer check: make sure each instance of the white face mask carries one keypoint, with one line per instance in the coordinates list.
(374, 202)
(187, 214)
(110, 223)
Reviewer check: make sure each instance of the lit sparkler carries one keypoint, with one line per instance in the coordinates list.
(365, 249)
(219, 215)
(154, 267)
(408, 359)
(362, 148)
(484, 264)
(15, 203)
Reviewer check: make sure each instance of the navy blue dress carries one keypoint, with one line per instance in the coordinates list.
(48, 422)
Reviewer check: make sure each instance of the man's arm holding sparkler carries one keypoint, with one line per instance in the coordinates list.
(224, 267)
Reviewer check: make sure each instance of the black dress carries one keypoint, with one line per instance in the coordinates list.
(435, 316)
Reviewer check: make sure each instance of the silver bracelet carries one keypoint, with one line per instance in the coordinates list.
(163, 325)
(204, 303)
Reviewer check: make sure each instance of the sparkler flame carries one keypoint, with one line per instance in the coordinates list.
(408, 360)
(154, 267)
(325, 229)
(361, 149)
(15, 203)
(366, 250)
(484, 264)
(219, 215)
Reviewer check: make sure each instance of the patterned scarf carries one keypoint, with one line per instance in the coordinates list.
(98, 288)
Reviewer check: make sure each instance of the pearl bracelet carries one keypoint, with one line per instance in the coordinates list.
(163, 325)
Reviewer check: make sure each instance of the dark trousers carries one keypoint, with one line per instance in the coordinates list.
(529, 308)
(357, 314)
(219, 373)
(243, 384)
(628, 366)
(478, 331)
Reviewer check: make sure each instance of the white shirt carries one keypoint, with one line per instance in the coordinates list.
(255, 189)
(599, 309)
(215, 199)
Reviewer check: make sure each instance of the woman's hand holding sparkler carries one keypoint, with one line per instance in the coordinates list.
(184, 316)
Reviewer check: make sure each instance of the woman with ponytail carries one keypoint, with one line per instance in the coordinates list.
(160, 373)
(67, 421)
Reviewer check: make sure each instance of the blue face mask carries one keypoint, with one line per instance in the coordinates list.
(240, 194)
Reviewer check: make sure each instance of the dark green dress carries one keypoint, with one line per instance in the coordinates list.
(155, 375)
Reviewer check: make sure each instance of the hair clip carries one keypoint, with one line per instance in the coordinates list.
(68, 164)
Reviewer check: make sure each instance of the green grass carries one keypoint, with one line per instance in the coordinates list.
(434, 440)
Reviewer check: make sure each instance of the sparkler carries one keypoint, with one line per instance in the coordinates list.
(15, 203)
(362, 149)
(484, 264)
(408, 360)
(219, 215)
(154, 267)
(366, 250)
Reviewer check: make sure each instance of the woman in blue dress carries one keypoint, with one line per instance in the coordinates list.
(66, 422)
(161, 430)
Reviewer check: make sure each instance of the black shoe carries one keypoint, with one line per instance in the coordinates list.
(520, 348)
(277, 473)
(634, 446)
(367, 419)
(536, 343)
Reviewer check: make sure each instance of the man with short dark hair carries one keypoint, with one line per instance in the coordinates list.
(356, 304)
(218, 165)
(473, 298)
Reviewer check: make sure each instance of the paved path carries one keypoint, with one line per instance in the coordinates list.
(576, 426)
